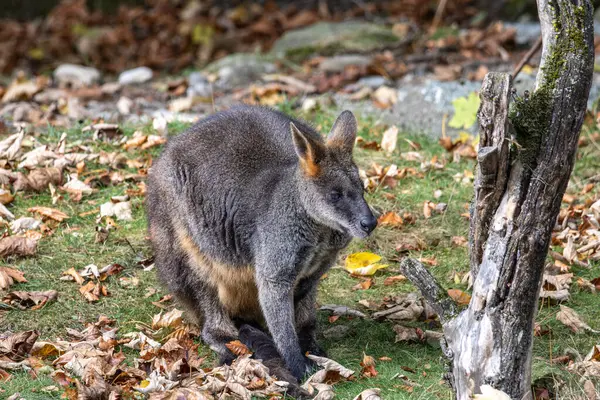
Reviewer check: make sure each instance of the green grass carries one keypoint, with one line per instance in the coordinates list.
(72, 245)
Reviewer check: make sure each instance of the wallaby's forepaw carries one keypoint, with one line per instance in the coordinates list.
(226, 359)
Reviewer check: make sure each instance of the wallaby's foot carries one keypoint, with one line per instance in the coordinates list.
(308, 343)
(217, 339)
(264, 349)
(312, 347)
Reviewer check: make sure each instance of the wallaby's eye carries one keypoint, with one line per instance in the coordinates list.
(334, 196)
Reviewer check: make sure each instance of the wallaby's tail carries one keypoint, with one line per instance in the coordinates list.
(264, 349)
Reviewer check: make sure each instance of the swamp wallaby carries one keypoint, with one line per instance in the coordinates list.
(247, 210)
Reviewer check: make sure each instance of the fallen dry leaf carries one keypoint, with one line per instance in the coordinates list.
(389, 139)
(364, 284)
(369, 394)
(572, 320)
(8, 276)
(363, 263)
(171, 319)
(385, 97)
(92, 291)
(121, 210)
(405, 334)
(16, 346)
(17, 246)
(32, 300)
(368, 367)
(48, 212)
(38, 179)
(460, 297)
(71, 272)
(489, 393)
(238, 348)
(342, 310)
(391, 280)
(390, 218)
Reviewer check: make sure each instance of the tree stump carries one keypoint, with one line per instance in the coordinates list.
(526, 155)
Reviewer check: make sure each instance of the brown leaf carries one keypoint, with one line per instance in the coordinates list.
(8, 276)
(390, 218)
(368, 367)
(459, 241)
(391, 280)
(572, 320)
(238, 348)
(171, 319)
(590, 390)
(389, 139)
(73, 273)
(38, 179)
(460, 297)
(17, 246)
(17, 346)
(92, 291)
(427, 207)
(364, 284)
(6, 197)
(405, 334)
(32, 300)
(48, 212)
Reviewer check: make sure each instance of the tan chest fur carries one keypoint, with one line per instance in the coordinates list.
(236, 286)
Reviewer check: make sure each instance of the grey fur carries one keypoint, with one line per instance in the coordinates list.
(233, 188)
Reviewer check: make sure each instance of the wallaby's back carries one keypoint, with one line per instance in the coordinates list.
(218, 178)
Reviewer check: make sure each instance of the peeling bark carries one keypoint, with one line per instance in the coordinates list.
(526, 156)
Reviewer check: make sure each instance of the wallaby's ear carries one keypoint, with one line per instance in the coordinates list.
(308, 151)
(343, 133)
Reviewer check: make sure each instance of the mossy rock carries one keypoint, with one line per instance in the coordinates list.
(327, 38)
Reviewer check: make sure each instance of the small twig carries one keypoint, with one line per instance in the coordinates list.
(435, 295)
(536, 47)
(439, 13)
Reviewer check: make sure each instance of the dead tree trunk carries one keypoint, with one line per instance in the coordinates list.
(525, 158)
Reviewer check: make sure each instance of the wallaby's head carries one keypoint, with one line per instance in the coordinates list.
(330, 187)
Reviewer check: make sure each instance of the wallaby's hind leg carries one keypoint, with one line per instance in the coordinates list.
(201, 302)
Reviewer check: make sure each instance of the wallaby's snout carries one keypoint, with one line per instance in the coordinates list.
(368, 222)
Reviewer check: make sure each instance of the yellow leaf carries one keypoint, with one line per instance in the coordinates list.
(363, 263)
(527, 69)
(144, 383)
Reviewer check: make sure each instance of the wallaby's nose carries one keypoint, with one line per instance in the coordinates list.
(368, 223)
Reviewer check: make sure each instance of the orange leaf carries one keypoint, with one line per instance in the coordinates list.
(238, 348)
(390, 280)
(459, 296)
(364, 285)
(390, 218)
(48, 212)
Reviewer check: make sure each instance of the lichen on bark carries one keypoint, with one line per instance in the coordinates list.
(531, 117)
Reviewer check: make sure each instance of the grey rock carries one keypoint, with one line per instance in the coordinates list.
(124, 105)
(50, 95)
(240, 69)
(135, 75)
(334, 37)
(76, 75)
(372, 81)
(338, 63)
(198, 85)
(420, 108)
